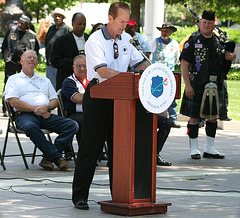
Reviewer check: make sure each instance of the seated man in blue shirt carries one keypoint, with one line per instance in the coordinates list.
(33, 97)
(73, 89)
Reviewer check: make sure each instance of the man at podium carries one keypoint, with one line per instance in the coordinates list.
(108, 52)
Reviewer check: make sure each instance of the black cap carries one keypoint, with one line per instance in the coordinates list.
(168, 26)
(208, 15)
(25, 19)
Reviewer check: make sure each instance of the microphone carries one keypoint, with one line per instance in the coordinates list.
(134, 41)
(137, 45)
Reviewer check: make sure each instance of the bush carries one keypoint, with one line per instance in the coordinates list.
(182, 32)
(2, 65)
(234, 73)
(40, 68)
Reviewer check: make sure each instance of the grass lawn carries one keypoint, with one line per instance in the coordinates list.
(233, 92)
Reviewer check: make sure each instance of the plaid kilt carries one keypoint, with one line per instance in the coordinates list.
(191, 107)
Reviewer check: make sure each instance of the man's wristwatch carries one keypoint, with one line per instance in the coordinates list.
(48, 108)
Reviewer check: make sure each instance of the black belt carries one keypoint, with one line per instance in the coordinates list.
(93, 82)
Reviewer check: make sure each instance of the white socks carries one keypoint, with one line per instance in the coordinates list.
(194, 146)
(210, 146)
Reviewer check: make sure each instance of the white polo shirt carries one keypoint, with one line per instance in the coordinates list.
(99, 52)
(35, 91)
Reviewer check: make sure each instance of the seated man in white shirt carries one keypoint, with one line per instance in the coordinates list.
(33, 97)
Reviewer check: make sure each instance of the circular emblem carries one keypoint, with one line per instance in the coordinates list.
(157, 88)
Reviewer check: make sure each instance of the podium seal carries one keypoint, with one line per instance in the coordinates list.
(157, 88)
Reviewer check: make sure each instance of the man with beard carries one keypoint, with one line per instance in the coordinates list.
(166, 50)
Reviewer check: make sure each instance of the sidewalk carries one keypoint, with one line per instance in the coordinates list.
(196, 188)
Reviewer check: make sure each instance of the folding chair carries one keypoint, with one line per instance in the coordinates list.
(2, 163)
(11, 128)
(64, 114)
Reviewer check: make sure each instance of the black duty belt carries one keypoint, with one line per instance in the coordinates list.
(93, 82)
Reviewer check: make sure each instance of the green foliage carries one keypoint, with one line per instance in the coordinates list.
(2, 65)
(234, 73)
(182, 32)
(234, 34)
(234, 96)
(224, 9)
(40, 68)
(39, 9)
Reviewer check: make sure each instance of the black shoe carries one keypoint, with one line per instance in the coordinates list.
(226, 119)
(68, 156)
(82, 204)
(202, 123)
(196, 156)
(175, 124)
(214, 156)
(103, 156)
(162, 162)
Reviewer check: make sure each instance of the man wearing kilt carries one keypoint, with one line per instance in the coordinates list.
(201, 64)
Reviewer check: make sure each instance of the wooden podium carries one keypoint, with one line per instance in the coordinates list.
(134, 149)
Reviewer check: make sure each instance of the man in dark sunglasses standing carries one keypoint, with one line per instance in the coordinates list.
(108, 52)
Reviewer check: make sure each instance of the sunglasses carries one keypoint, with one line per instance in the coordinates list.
(115, 49)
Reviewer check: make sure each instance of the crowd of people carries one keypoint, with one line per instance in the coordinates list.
(77, 61)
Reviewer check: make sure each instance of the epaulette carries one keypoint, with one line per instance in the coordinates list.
(195, 34)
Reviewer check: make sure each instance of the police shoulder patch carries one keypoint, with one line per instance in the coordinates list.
(186, 45)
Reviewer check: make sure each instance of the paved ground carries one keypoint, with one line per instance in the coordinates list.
(196, 188)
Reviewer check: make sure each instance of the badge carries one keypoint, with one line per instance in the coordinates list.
(186, 45)
(198, 45)
(198, 58)
(157, 55)
(198, 66)
(125, 50)
(191, 77)
(13, 36)
(213, 78)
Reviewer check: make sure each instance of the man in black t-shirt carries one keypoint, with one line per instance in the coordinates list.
(201, 63)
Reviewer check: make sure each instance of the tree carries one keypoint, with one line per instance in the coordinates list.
(135, 7)
(39, 8)
(224, 9)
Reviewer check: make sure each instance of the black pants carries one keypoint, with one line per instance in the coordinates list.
(10, 69)
(164, 127)
(97, 127)
(78, 118)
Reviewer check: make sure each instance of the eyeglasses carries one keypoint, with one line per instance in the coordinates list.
(80, 65)
(115, 49)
